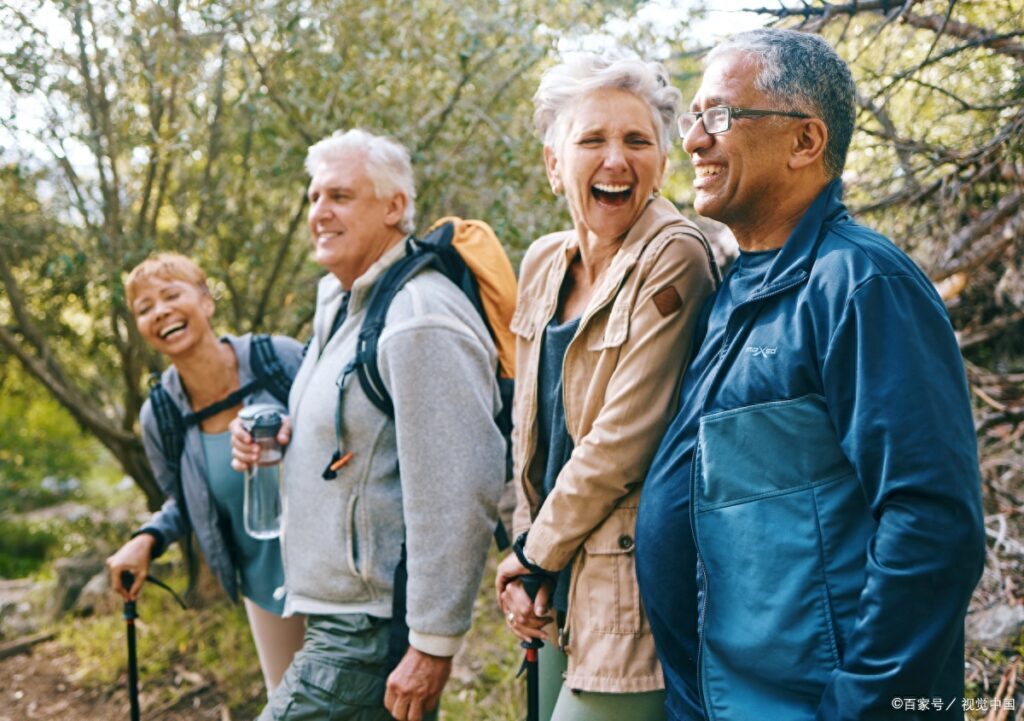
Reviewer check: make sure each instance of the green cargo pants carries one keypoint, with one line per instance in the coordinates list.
(339, 674)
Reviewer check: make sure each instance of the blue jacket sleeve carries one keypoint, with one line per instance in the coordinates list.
(166, 525)
(896, 390)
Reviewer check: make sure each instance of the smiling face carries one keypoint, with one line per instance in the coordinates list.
(172, 315)
(741, 172)
(351, 228)
(608, 162)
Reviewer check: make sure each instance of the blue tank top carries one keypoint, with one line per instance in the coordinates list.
(258, 562)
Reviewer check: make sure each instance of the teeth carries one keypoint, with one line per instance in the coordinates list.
(607, 188)
(704, 171)
(171, 329)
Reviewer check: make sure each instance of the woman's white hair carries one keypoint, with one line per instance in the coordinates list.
(388, 165)
(582, 73)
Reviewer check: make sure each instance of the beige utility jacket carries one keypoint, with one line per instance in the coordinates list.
(621, 378)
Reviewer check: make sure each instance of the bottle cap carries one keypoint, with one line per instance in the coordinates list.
(264, 418)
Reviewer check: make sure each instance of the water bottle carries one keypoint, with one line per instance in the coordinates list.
(261, 507)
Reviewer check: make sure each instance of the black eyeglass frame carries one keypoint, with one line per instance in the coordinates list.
(730, 113)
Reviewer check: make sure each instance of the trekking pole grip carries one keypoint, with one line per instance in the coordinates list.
(127, 579)
(532, 583)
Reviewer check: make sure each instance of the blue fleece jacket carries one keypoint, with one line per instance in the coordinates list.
(810, 530)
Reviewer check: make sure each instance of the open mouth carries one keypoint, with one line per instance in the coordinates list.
(172, 330)
(610, 194)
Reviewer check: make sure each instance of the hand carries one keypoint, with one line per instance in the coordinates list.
(133, 557)
(526, 617)
(415, 685)
(245, 453)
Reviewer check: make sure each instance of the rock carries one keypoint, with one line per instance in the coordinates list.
(72, 575)
(97, 596)
(996, 627)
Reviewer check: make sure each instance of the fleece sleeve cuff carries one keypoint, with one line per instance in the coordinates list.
(428, 643)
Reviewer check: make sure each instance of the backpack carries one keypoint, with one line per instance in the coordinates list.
(469, 254)
(270, 375)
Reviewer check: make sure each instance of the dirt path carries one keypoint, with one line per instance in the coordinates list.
(37, 685)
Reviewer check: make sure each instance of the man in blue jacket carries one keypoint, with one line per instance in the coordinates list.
(810, 529)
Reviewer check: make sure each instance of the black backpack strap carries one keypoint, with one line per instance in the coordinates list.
(383, 293)
(267, 366)
(171, 425)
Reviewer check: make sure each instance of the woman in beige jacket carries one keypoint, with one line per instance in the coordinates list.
(603, 323)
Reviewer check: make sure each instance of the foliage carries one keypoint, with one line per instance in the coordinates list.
(183, 125)
(40, 441)
(23, 548)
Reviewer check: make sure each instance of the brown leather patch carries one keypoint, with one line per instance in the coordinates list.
(668, 301)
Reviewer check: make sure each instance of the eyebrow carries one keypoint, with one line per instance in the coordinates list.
(331, 189)
(712, 102)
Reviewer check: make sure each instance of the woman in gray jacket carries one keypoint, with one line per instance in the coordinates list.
(173, 308)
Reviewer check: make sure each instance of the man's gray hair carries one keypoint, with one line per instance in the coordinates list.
(582, 73)
(388, 165)
(799, 71)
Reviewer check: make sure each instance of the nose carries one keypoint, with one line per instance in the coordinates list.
(615, 156)
(160, 309)
(697, 138)
(319, 209)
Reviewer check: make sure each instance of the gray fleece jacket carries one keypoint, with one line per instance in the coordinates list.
(432, 477)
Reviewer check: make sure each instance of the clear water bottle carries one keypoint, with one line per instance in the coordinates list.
(261, 507)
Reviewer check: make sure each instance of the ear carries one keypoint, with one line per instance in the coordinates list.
(661, 175)
(551, 165)
(396, 209)
(808, 143)
(207, 304)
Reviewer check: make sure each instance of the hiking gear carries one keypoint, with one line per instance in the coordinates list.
(261, 505)
(269, 374)
(130, 614)
(127, 579)
(531, 584)
(469, 254)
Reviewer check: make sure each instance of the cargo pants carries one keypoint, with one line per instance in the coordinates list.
(340, 673)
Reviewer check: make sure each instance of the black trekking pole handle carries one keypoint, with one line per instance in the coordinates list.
(532, 583)
(127, 579)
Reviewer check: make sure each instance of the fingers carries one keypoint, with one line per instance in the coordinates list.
(543, 600)
(508, 570)
(133, 557)
(285, 434)
(244, 453)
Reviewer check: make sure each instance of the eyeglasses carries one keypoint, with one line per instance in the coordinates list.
(719, 118)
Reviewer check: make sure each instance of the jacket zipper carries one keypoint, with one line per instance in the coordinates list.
(727, 343)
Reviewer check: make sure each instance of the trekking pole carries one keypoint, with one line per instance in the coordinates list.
(130, 614)
(127, 579)
(531, 584)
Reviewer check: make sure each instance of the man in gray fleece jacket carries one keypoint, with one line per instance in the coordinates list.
(430, 478)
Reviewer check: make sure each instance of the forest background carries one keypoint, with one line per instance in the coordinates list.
(128, 126)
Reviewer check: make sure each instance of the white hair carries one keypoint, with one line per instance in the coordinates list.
(580, 73)
(388, 165)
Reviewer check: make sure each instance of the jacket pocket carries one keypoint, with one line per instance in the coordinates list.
(773, 491)
(606, 585)
(353, 535)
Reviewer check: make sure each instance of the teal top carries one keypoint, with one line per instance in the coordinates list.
(258, 562)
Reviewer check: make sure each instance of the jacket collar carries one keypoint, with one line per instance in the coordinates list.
(794, 262)
(657, 216)
(330, 291)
